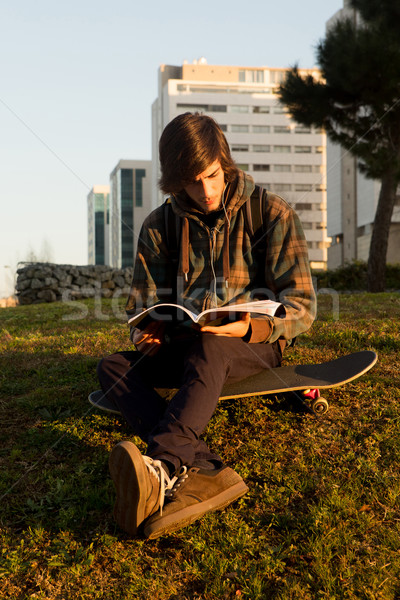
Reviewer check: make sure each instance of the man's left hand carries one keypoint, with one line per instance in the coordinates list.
(235, 329)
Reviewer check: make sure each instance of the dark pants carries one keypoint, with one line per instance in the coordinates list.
(199, 367)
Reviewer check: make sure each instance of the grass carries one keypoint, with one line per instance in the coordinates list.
(321, 520)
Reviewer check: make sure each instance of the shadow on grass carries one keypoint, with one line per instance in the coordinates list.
(290, 402)
(54, 445)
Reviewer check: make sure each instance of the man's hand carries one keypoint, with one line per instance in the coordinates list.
(235, 329)
(148, 341)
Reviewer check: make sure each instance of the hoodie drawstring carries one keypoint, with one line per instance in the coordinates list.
(225, 249)
(185, 247)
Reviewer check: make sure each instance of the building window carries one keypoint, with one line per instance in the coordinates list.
(140, 174)
(260, 167)
(282, 187)
(243, 166)
(302, 149)
(277, 76)
(239, 108)
(303, 206)
(240, 148)
(303, 187)
(264, 110)
(282, 149)
(239, 128)
(261, 148)
(202, 107)
(251, 75)
(282, 168)
(319, 149)
(281, 129)
(302, 129)
(198, 89)
(315, 245)
(192, 107)
(302, 168)
(127, 217)
(261, 128)
(99, 237)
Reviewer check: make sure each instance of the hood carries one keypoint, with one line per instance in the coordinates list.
(236, 194)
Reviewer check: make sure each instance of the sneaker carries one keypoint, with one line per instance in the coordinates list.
(195, 492)
(140, 483)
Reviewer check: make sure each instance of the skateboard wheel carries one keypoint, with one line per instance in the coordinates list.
(320, 406)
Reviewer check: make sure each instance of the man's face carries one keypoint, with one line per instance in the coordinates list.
(207, 188)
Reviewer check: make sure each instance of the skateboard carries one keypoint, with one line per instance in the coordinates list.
(308, 380)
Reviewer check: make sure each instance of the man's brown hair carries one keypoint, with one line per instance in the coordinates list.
(189, 144)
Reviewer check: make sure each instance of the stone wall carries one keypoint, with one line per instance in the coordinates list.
(46, 282)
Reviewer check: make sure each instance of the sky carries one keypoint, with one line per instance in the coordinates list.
(77, 81)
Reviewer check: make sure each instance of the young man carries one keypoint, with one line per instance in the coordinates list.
(180, 478)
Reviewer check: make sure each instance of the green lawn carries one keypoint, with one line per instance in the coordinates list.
(321, 520)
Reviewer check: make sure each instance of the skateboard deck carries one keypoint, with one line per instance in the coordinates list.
(290, 378)
(99, 400)
(303, 377)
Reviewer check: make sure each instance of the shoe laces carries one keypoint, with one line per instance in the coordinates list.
(177, 481)
(167, 483)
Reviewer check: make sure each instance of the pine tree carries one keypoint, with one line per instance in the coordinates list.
(357, 102)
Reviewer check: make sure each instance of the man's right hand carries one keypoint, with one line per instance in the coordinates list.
(148, 341)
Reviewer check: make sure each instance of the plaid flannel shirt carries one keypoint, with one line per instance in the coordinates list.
(276, 268)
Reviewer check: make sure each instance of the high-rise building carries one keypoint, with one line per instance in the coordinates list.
(352, 198)
(130, 203)
(98, 205)
(282, 156)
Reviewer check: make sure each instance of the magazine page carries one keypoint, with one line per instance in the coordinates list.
(175, 312)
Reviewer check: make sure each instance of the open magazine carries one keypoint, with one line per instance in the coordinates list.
(169, 312)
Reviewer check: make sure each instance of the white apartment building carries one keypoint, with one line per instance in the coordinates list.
(282, 156)
(130, 203)
(352, 198)
(98, 205)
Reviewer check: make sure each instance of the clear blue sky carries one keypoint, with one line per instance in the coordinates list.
(77, 81)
